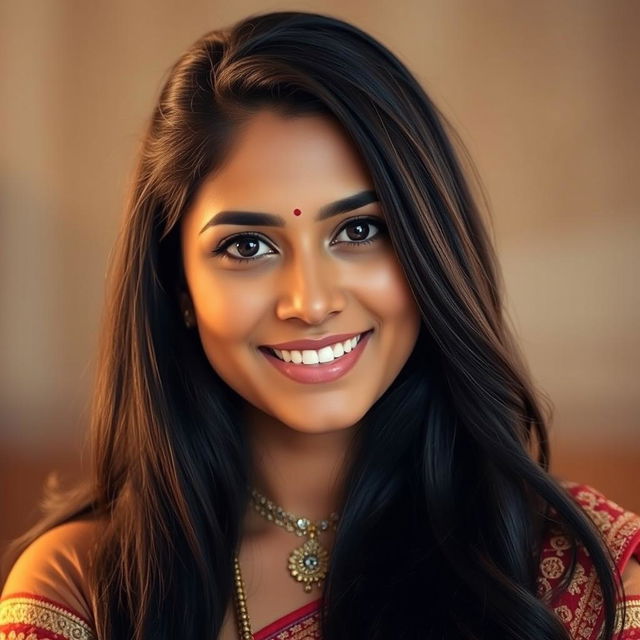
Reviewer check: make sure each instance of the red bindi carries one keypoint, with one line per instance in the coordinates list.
(296, 212)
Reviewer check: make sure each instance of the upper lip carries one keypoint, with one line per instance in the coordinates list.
(299, 345)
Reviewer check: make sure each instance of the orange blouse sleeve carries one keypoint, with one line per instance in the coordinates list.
(579, 606)
(46, 596)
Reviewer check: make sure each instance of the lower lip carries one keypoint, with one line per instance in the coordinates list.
(325, 372)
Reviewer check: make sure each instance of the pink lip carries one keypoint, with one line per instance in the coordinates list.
(300, 345)
(325, 372)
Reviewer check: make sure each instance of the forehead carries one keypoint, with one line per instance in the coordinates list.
(299, 161)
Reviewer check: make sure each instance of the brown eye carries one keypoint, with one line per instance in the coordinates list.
(242, 248)
(357, 231)
(247, 248)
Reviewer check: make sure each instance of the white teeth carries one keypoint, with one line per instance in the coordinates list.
(326, 354)
(309, 357)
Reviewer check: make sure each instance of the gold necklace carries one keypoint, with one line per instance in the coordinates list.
(242, 614)
(308, 563)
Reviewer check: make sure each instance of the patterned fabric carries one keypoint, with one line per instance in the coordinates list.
(301, 624)
(31, 617)
(25, 616)
(631, 629)
(579, 606)
(632, 620)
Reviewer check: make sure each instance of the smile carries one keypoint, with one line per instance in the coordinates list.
(318, 365)
(320, 356)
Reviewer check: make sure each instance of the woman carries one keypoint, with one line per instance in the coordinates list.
(310, 418)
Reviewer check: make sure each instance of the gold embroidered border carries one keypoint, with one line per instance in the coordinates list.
(618, 529)
(632, 617)
(307, 628)
(43, 615)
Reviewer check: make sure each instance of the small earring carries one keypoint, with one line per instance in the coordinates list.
(187, 319)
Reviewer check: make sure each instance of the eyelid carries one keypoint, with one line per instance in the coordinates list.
(376, 220)
(223, 244)
(222, 247)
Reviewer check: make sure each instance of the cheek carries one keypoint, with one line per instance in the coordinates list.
(388, 292)
(228, 312)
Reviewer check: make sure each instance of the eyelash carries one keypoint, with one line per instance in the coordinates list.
(220, 249)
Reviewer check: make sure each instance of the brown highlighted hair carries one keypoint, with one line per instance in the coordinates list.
(449, 493)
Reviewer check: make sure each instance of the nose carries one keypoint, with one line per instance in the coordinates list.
(311, 290)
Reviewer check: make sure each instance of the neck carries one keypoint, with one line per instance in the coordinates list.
(301, 472)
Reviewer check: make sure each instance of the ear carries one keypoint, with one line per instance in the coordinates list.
(186, 308)
(185, 301)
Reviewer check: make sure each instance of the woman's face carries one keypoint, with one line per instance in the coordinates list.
(268, 261)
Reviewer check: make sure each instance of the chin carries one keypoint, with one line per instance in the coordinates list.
(319, 428)
(320, 424)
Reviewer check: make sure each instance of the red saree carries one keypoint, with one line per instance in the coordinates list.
(579, 606)
(301, 624)
(26, 616)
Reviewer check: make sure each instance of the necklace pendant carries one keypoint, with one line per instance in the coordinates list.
(309, 563)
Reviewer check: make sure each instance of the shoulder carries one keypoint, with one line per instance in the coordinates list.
(49, 582)
(579, 604)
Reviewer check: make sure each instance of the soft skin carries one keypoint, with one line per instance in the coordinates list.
(301, 286)
(307, 283)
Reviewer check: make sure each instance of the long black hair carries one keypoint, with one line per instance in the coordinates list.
(448, 493)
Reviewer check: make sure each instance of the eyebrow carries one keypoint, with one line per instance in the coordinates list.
(254, 218)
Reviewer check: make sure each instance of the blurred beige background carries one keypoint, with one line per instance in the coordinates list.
(546, 96)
